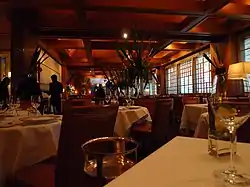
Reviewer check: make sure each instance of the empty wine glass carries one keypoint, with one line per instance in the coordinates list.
(128, 100)
(107, 99)
(232, 114)
(114, 100)
(14, 104)
(35, 102)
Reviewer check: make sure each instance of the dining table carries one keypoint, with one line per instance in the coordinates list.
(181, 162)
(26, 140)
(191, 114)
(127, 116)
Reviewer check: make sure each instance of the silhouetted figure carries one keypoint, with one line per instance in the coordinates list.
(27, 88)
(99, 94)
(55, 90)
(4, 92)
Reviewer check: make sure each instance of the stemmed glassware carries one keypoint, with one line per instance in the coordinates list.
(35, 102)
(14, 103)
(107, 99)
(128, 100)
(232, 114)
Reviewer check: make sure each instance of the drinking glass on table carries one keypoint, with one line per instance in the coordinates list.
(35, 102)
(231, 114)
(14, 104)
(128, 100)
(107, 99)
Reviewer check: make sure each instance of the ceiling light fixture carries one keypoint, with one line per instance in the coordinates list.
(125, 35)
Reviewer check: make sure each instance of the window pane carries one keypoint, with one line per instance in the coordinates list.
(171, 80)
(202, 74)
(186, 78)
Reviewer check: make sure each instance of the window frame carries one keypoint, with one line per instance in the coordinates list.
(192, 70)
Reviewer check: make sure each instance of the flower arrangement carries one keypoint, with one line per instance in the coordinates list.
(70, 89)
(135, 69)
(135, 60)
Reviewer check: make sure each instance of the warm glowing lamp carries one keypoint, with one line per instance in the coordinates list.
(239, 70)
(237, 73)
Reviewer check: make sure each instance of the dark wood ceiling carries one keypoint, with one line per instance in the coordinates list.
(86, 32)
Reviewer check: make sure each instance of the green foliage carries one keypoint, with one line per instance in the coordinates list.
(135, 62)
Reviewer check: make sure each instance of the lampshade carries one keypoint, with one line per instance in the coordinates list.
(239, 70)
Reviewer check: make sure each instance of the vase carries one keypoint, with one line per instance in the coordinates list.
(218, 136)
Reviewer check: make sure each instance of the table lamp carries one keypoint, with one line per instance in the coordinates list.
(236, 75)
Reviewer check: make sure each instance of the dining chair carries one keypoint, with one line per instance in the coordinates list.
(177, 109)
(152, 136)
(147, 102)
(190, 100)
(79, 125)
(80, 102)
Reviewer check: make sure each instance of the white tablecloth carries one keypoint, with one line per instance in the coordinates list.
(22, 146)
(201, 130)
(191, 114)
(183, 162)
(126, 117)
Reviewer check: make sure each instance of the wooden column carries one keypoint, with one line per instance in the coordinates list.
(162, 80)
(65, 75)
(23, 44)
(229, 50)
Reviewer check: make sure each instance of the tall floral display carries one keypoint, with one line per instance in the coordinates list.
(136, 71)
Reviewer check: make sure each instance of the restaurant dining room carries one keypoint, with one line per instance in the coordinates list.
(128, 93)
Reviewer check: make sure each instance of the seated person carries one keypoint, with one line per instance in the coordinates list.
(4, 92)
(27, 88)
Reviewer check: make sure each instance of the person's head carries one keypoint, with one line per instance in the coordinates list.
(54, 78)
(6, 81)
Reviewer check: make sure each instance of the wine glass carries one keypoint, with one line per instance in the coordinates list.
(232, 113)
(14, 104)
(114, 100)
(128, 100)
(35, 102)
(107, 99)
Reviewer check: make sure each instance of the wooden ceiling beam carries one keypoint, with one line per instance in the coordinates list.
(96, 67)
(235, 11)
(96, 45)
(244, 2)
(136, 10)
(180, 47)
(82, 18)
(193, 11)
(107, 34)
(192, 22)
(64, 44)
(206, 46)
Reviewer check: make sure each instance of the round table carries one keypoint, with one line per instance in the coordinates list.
(24, 145)
(126, 116)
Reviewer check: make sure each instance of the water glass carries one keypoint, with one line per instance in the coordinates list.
(218, 143)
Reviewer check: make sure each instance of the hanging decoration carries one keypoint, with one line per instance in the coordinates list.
(39, 56)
